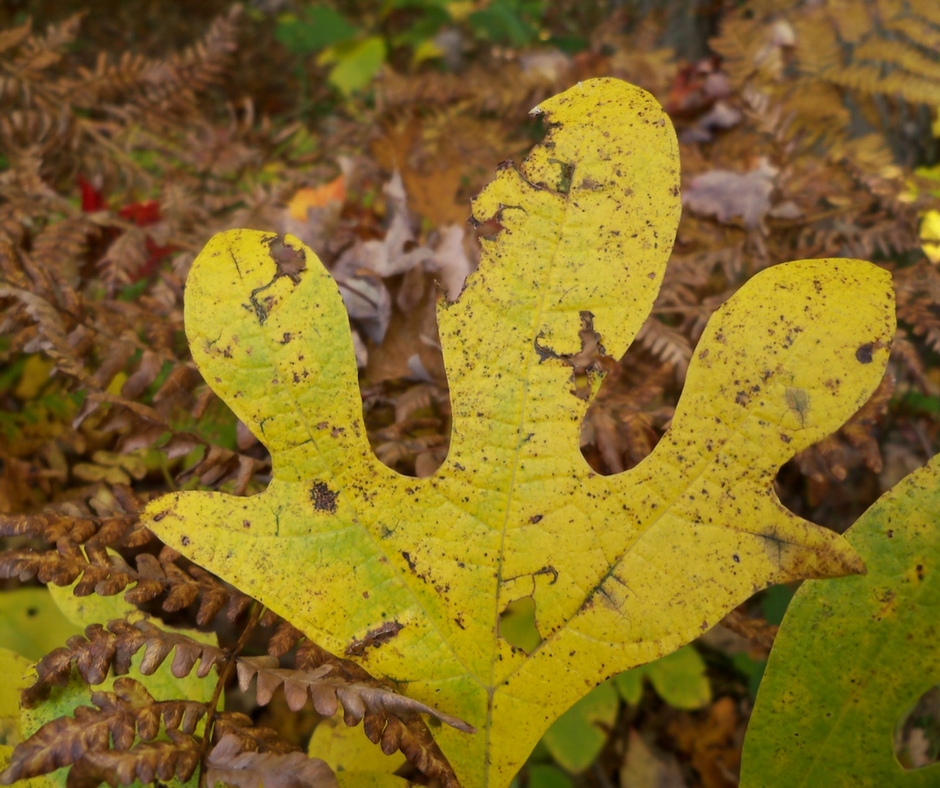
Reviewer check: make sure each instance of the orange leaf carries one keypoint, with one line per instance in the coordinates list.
(307, 198)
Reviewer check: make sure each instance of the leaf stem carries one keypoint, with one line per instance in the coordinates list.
(224, 674)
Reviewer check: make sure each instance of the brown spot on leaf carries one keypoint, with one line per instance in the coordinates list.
(289, 261)
(324, 499)
(863, 354)
(374, 638)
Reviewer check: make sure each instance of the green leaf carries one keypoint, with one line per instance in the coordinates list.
(577, 736)
(506, 22)
(853, 655)
(411, 577)
(678, 678)
(544, 776)
(356, 63)
(320, 27)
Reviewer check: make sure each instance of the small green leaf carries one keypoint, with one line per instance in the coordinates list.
(506, 22)
(357, 62)
(775, 602)
(577, 736)
(854, 654)
(678, 678)
(320, 27)
(544, 776)
(630, 685)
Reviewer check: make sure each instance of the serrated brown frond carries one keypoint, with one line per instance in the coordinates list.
(416, 743)
(54, 340)
(253, 738)
(165, 84)
(918, 298)
(103, 649)
(146, 762)
(327, 692)
(231, 764)
(666, 343)
(62, 742)
(118, 719)
(53, 527)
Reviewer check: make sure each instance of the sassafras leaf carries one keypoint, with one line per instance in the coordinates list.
(410, 577)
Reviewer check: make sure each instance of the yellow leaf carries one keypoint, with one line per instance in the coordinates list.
(426, 50)
(35, 376)
(410, 577)
(930, 236)
(357, 762)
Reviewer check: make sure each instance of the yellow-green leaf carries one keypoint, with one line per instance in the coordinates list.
(853, 655)
(355, 63)
(576, 738)
(31, 623)
(930, 236)
(678, 678)
(411, 576)
(13, 668)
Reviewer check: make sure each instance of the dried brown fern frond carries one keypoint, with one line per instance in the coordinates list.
(116, 741)
(838, 65)
(918, 297)
(103, 650)
(166, 84)
(230, 764)
(327, 692)
(84, 548)
(121, 716)
(145, 762)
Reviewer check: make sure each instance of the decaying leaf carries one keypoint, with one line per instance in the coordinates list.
(409, 577)
(853, 656)
(328, 691)
(228, 764)
(725, 194)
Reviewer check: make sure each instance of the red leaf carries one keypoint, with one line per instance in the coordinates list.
(142, 213)
(92, 199)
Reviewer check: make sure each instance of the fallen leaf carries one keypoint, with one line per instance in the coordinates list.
(642, 768)
(621, 569)
(306, 198)
(710, 744)
(725, 194)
